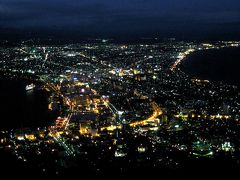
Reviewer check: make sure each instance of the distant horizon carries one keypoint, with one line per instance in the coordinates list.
(72, 19)
(151, 38)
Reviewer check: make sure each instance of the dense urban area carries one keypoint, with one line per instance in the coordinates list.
(121, 108)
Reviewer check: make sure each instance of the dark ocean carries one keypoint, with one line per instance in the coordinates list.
(20, 108)
(217, 65)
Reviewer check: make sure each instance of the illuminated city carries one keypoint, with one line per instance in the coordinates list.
(136, 105)
(138, 102)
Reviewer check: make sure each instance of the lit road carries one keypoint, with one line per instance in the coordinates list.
(64, 125)
(69, 151)
(157, 112)
(181, 57)
(152, 119)
(112, 108)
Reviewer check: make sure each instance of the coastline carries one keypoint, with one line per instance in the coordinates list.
(218, 65)
(21, 108)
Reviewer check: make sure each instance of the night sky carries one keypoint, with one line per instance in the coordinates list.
(120, 17)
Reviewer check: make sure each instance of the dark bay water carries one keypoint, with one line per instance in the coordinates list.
(218, 65)
(20, 108)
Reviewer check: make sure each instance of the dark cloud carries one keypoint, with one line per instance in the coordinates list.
(118, 16)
